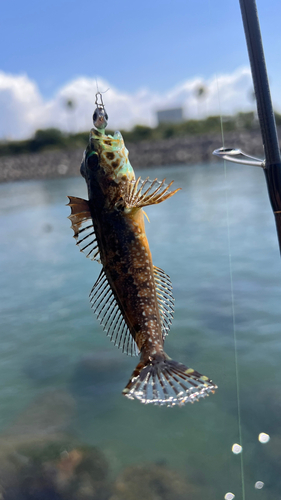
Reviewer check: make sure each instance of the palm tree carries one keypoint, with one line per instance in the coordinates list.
(70, 106)
(200, 93)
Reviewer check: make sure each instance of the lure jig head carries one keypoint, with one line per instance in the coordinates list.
(100, 116)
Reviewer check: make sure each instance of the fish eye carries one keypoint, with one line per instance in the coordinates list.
(95, 115)
(106, 116)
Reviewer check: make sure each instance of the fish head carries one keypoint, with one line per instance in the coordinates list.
(109, 156)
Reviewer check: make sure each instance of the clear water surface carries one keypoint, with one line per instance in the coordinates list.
(59, 373)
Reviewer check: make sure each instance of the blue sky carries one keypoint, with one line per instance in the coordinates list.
(154, 45)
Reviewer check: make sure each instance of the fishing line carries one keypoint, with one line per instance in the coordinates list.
(232, 303)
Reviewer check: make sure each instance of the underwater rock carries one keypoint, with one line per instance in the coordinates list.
(54, 470)
(151, 482)
(27, 440)
(82, 473)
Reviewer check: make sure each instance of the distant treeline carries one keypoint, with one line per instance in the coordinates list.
(53, 138)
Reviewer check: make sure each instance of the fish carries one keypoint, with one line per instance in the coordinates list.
(132, 298)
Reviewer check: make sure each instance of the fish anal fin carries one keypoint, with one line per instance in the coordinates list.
(165, 299)
(138, 194)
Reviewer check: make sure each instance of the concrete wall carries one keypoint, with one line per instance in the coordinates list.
(182, 150)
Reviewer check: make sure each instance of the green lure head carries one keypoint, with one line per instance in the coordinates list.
(109, 152)
(112, 154)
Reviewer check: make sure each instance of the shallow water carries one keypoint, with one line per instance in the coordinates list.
(53, 347)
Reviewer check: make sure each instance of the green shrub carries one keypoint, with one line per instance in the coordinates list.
(53, 138)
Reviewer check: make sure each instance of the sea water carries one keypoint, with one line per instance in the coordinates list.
(59, 373)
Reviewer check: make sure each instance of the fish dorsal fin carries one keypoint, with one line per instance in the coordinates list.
(165, 299)
(110, 316)
(139, 193)
(82, 225)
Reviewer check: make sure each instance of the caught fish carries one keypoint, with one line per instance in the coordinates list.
(131, 298)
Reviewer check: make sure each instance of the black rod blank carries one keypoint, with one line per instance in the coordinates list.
(264, 105)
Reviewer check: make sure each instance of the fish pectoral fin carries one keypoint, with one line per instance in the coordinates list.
(141, 193)
(146, 215)
(110, 315)
(165, 299)
(82, 225)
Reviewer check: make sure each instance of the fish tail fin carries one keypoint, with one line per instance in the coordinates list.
(163, 381)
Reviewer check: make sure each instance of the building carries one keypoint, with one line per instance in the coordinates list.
(172, 115)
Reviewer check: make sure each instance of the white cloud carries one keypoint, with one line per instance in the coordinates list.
(19, 105)
(23, 109)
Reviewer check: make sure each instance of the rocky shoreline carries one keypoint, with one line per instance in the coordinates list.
(187, 150)
(40, 459)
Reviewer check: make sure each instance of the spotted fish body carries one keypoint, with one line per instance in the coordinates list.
(132, 298)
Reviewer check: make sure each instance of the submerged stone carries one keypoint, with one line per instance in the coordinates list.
(151, 482)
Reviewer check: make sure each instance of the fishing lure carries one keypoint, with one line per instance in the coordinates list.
(131, 298)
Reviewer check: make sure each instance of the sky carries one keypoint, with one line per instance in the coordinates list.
(151, 55)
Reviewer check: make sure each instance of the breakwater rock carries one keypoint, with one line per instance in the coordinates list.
(180, 150)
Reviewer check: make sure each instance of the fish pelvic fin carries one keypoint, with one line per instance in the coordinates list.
(163, 381)
(139, 193)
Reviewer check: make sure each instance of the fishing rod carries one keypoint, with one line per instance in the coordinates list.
(272, 163)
